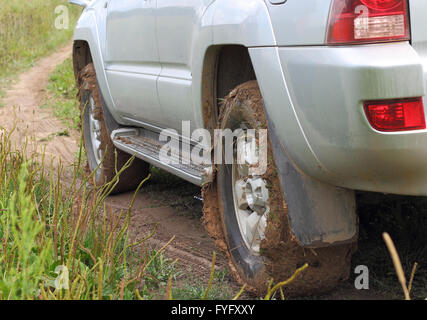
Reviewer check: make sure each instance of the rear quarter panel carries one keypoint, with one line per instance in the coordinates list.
(300, 22)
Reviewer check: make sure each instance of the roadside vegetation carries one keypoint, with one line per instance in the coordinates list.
(61, 241)
(62, 91)
(27, 32)
(56, 237)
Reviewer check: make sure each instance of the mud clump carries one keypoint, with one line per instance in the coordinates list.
(211, 219)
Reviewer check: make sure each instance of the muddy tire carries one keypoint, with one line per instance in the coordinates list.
(278, 254)
(100, 151)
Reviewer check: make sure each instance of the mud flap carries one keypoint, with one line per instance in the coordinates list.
(320, 214)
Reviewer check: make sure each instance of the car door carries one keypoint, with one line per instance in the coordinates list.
(132, 59)
(177, 27)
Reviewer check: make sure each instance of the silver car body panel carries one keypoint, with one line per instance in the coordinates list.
(126, 81)
(298, 23)
(326, 89)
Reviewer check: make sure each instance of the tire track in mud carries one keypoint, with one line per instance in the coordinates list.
(191, 246)
(39, 127)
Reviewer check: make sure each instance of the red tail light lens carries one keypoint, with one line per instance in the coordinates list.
(381, 4)
(361, 21)
(396, 115)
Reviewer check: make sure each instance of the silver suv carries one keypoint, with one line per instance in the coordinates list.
(325, 95)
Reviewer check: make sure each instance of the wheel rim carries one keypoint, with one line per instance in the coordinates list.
(250, 195)
(94, 132)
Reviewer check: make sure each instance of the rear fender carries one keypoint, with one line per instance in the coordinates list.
(320, 214)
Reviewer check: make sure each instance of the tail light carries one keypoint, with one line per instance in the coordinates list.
(361, 21)
(396, 115)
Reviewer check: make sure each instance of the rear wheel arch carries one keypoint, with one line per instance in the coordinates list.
(330, 218)
(82, 56)
(224, 68)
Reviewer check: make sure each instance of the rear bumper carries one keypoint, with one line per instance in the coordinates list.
(322, 89)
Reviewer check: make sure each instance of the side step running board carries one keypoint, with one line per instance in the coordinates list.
(145, 145)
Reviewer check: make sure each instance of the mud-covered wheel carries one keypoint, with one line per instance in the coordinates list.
(247, 214)
(100, 150)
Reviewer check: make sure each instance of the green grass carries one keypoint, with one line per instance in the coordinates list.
(45, 224)
(194, 289)
(62, 93)
(27, 32)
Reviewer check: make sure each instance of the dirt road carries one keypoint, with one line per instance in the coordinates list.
(165, 200)
(33, 122)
